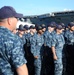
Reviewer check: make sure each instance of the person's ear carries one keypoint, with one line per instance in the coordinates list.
(9, 20)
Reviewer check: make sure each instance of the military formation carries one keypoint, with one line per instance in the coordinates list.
(49, 49)
(35, 50)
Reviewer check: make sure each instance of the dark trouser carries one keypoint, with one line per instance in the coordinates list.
(70, 59)
(48, 63)
(30, 60)
(64, 60)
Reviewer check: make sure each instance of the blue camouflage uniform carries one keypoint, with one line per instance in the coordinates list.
(11, 52)
(69, 37)
(37, 50)
(23, 41)
(48, 56)
(32, 36)
(27, 44)
(29, 55)
(58, 42)
(48, 38)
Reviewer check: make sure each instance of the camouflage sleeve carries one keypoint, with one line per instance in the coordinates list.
(17, 54)
(33, 46)
(53, 42)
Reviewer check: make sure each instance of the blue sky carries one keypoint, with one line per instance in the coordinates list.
(38, 7)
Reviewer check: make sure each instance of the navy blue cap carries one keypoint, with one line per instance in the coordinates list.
(8, 11)
(63, 25)
(59, 27)
(43, 25)
(26, 27)
(71, 24)
(32, 27)
(21, 28)
(39, 27)
(52, 24)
